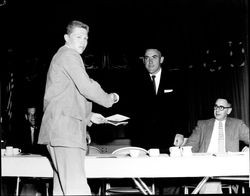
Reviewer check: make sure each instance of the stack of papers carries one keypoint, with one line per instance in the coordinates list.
(117, 119)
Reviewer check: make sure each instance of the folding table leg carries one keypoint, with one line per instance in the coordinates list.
(202, 182)
(47, 189)
(153, 186)
(145, 186)
(17, 185)
(138, 184)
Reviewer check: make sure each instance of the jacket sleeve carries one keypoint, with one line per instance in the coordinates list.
(195, 138)
(244, 132)
(74, 68)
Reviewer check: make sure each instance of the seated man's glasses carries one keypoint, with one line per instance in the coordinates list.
(220, 107)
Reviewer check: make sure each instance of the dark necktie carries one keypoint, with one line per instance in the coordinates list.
(221, 145)
(153, 80)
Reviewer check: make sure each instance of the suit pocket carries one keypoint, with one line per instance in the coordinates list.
(72, 126)
(73, 115)
(168, 90)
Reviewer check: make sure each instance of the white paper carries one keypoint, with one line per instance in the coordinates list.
(117, 117)
(116, 123)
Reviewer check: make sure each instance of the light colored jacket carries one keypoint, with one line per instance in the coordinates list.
(236, 130)
(67, 101)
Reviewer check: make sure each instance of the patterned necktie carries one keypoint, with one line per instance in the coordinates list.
(153, 80)
(221, 146)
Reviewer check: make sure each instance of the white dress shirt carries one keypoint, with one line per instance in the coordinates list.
(213, 146)
(157, 79)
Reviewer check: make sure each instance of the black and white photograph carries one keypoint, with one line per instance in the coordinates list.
(119, 97)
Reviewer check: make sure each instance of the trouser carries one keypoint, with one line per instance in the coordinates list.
(69, 176)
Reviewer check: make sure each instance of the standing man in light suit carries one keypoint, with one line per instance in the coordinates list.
(68, 98)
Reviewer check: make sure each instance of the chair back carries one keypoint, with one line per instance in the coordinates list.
(92, 150)
(126, 150)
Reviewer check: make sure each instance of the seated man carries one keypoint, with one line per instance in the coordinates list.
(218, 135)
(30, 133)
(29, 137)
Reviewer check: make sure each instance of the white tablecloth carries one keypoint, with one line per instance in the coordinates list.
(108, 166)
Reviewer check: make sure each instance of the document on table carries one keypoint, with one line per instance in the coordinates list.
(117, 119)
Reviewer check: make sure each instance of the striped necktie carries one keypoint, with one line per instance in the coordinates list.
(221, 138)
(153, 80)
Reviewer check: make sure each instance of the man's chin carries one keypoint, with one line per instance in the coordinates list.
(80, 51)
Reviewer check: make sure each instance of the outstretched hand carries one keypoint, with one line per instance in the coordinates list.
(98, 118)
(115, 97)
(88, 138)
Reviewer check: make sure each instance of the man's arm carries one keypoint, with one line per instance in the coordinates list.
(195, 138)
(244, 133)
(74, 68)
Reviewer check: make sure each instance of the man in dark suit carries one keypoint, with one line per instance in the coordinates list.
(31, 131)
(158, 110)
(156, 118)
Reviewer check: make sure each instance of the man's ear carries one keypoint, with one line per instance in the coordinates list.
(26, 116)
(229, 111)
(66, 37)
(162, 59)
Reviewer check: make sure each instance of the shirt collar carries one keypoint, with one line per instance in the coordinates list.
(157, 75)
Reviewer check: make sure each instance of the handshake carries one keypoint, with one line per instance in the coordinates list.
(115, 97)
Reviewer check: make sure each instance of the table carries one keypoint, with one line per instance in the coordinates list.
(111, 166)
(233, 164)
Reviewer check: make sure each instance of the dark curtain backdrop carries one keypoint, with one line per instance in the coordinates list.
(204, 87)
(201, 88)
(201, 85)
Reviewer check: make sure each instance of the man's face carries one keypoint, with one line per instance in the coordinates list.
(221, 109)
(77, 40)
(31, 116)
(153, 60)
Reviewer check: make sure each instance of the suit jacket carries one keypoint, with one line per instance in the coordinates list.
(156, 117)
(26, 142)
(28, 146)
(67, 101)
(236, 130)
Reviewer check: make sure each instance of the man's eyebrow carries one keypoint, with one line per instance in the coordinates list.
(152, 56)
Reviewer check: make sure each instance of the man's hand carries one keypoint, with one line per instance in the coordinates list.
(97, 118)
(88, 138)
(115, 97)
(178, 140)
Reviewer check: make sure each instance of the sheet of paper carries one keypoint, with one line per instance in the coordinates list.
(117, 117)
(116, 123)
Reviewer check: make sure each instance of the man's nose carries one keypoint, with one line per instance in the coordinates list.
(150, 60)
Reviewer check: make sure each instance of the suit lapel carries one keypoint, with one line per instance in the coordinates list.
(163, 82)
(228, 131)
(209, 132)
(36, 131)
